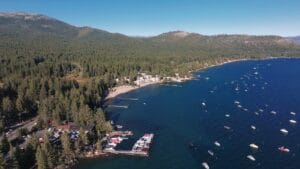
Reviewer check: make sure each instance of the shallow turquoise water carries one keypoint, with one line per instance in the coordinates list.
(185, 130)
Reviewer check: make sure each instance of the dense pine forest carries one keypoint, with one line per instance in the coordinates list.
(56, 73)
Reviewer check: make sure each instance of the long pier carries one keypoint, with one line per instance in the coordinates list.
(124, 98)
(127, 152)
(118, 106)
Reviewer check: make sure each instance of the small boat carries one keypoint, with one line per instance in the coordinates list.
(203, 104)
(261, 110)
(273, 112)
(144, 103)
(236, 102)
(191, 145)
(284, 131)
(217, 144)
(256, 73)
(250, 157)
(227, 127)
(284, 149)
(119, 126)
(237, 87)
(293, 121)
(205, 165)
(293, 113)
(210, 153)
(227, 115)
(239, 106)
(254, 146)
(253, 127)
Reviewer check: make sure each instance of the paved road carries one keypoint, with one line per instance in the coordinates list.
(26, 124)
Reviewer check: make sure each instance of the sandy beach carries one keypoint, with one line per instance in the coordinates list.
(115, 91)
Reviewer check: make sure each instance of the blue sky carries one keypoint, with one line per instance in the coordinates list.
(152, 17)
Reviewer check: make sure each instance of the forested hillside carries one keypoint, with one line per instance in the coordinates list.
(48, 61)
(61, 73)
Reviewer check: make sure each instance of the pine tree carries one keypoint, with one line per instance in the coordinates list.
(41, 159)
(2, 162)
(83, 136)
(67, 151)
(43, 92)
(99, 146)
(7, 105)
(49, 152)
(2, 126)
(5, 146)
(20, 104)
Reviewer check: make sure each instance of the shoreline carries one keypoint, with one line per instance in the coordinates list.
(122, 89)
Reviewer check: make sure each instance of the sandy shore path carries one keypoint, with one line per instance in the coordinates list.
(115, 91)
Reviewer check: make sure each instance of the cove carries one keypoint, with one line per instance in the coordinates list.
(185, 129)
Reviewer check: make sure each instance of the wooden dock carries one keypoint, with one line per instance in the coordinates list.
(118, 106)
(127, 152)
(124, 98)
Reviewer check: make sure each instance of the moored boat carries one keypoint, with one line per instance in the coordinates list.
(284, 131)
(210, 152)
(254, 146)
(284, 149)
(293, 121)
(205, 165)
(217, 144)
(250, 157)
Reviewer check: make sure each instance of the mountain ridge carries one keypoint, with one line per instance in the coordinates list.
(178, 33)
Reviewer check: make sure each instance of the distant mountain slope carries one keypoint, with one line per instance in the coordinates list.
(25, 24)
(295, 39)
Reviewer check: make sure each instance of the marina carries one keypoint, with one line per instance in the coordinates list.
(140, 148)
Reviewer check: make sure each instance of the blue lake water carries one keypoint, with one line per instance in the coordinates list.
(185, 129)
